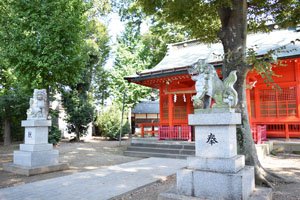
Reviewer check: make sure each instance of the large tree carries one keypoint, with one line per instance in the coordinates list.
(40, 47)
(13, 104)
(79, 99)
(50, 44)
(228, 22)
(42, 40)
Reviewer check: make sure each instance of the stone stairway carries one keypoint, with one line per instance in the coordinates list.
(166, 149)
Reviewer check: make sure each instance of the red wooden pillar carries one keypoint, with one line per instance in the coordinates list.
(142, 131)
(297, 78)
(248, 101)
(170, 109)
(287, 135)
(189, 111)
(297, 74)
(152, 130)
(188, 104)
(257, 102)
(161, 102)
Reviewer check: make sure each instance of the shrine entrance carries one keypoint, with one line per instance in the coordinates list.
(273, 111)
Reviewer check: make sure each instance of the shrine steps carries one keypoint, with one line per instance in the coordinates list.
(164, 149)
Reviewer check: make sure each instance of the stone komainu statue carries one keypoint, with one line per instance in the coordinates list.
(38, 105)
(209, 86)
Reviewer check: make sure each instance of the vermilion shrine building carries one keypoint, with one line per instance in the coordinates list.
(277, 110)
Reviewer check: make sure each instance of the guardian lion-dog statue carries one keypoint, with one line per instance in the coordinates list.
(38, 105)
(209, 86)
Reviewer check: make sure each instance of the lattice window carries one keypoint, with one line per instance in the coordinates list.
(180, 111)
(275, 103)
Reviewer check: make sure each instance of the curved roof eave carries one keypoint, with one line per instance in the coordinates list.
(182, 55)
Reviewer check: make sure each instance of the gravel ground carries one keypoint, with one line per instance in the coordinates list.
(96, 153)
(81, 156)
(287, 166)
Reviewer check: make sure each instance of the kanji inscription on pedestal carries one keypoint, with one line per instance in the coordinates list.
(29, 134)
(211, 139)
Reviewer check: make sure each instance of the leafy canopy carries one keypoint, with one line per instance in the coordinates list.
(80, 98)
(137, 50)
(42, 40)
(202, 17)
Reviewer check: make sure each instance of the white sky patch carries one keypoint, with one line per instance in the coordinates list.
(144, 27)
(115, 26)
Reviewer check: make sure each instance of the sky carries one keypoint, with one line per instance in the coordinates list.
(115, 28)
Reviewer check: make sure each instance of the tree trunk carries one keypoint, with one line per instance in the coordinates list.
(77, 133)
(7, 133)
(262, 176)
(233, 35)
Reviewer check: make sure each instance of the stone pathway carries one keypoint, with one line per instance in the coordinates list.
(97, 184)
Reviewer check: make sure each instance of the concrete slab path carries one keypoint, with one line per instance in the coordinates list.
(97, 184)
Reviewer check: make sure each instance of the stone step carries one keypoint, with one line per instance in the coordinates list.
(162, 150)
(152, 154)
(286, 146)
(165, 149)
(165, 145)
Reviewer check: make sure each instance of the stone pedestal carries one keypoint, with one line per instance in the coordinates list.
(216, 172)
(36, 155)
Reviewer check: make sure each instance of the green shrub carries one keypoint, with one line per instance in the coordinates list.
(80, 111)
(108, 123)
(54, 135)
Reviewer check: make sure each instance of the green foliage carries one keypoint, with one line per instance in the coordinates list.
(137, 51)
(202, 18)
(14, 101)
(128, 61)
(80, 100)
(108, 123)
(54, 132)
(52, 44)
(97, 48)
(54, 135)
(79, 109)
(42, 40)
(262, 13)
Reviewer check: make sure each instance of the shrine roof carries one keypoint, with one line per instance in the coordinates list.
(184, 54)
(150, 107)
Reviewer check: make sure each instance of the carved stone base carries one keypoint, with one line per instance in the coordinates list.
(215, 185)
(35, 158)
(216, 172)
(30, 171)
(259, 193)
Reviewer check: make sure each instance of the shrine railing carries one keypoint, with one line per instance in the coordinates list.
(287, 130)
(259, 133)
(152, 130)
(175, 133)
